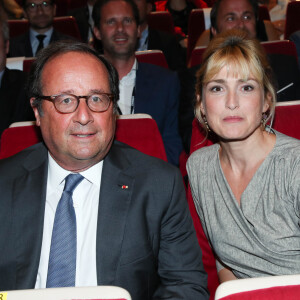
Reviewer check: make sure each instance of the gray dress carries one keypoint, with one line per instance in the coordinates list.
(260, 236)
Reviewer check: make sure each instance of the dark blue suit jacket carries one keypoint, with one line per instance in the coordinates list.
(21, 46)
(145, 237)
(157, 94)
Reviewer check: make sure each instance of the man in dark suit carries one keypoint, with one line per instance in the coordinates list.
(40, 15)
(126, 213)
(144, 88)
(12, 82)
(152, 39)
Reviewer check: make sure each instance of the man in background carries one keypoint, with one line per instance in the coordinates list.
(40, 15)
(12, 82)
(144, 88)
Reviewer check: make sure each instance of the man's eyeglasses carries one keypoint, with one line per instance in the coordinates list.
(68, 103)
(34, 6)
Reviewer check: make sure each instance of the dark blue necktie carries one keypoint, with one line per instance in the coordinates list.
(41, 38)
(62, 258)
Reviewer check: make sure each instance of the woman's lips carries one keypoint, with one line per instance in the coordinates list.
(232, 119)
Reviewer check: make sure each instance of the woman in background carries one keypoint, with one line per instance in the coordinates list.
(246, 188)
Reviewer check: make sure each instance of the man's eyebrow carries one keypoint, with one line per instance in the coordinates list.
(98, 91)
(230, 14)
(92, 91)
(248, 12)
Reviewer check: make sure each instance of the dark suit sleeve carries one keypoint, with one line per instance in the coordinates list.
(180, 267)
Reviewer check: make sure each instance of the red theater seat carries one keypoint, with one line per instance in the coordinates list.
(66, 25)
(155, 57)
(292, 20)
(138, 131)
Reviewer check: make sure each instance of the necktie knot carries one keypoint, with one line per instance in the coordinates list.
(41, 37)
(71, 182)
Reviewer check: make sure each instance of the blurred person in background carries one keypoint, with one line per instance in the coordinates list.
(13, 100)
(40, 15)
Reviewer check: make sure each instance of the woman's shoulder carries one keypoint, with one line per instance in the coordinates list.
(286, 144)
(203, 154)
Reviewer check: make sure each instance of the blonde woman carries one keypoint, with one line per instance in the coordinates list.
(246, 188)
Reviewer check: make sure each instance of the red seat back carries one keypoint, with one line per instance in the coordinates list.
(66, 25)
(142, 134)
(292, 21)
(161, 20)
(284, 47)
(155, 57)
(196, 56)
(196, 26)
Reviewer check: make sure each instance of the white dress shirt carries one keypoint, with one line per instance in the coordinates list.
(86, 200)
(126, 86)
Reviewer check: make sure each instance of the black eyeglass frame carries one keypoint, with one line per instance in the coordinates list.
(35, 6)
(52, 98)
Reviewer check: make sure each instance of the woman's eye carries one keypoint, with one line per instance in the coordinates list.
(216, 89)
(247, 88)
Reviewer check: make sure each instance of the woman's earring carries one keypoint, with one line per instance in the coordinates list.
(264, 119)
(205, 122)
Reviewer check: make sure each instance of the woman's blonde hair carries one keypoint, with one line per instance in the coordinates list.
(245, 56)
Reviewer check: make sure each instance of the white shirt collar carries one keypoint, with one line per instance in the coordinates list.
(129, 78)
(57, 174)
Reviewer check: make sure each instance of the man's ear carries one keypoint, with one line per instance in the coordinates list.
(97, 33)
(36, 112)
(213, 31)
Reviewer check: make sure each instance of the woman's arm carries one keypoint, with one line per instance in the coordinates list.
(225, 275)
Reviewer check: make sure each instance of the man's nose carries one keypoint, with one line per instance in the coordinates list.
(120, 26)
(83, 114)
(240, 23)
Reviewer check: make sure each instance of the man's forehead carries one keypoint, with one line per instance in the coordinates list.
(117, 8)
(62, 60)
(38, 1)
(234, 6)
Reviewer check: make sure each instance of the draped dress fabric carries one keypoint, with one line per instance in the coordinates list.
(261, 236)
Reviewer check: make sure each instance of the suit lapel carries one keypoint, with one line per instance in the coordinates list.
(115, 198)
(27, 46)
(28, 215)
